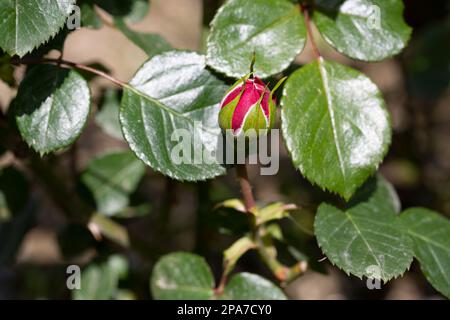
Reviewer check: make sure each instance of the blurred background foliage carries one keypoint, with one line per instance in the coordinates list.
(141, 215)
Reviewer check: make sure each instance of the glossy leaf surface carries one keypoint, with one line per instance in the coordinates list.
(273, 29)
(335, 125)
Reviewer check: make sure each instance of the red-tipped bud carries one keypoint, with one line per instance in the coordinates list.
(249, 104)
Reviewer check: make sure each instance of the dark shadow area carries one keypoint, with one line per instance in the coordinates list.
(41, 82)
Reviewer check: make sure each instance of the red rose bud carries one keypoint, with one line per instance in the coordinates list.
(249, 104)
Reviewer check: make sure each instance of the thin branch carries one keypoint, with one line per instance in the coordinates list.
(79, 66)
(249, 202)
(283, 273)
(222, 283)
(306, 13)
(246, 188)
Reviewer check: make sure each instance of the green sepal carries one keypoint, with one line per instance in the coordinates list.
(255, 119)
(272, 105)
(279, 83)
(226, 115)
(235, 204)
(227, 111)
(272, 113)
(242, 80)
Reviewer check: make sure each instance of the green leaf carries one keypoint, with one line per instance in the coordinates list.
(273, 29)
(51, 107)
(131, 10)
(366, 239)
(108, 116)
(182, 276)
(89, 17)
(151, 44)
(26, 24)
(431, 235)
(112, 178)
(368, 30)
(101, 281)
(274, 230)
(235, 252)
(111, 229)
(247, 286)
(174, 91)
(335, 125)
(377, 193)
(235, 204)
(55, 43)
(274, 211)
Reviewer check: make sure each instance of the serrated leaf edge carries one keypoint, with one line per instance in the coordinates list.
(224, 71)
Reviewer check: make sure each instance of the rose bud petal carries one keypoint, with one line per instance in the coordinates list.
(249, 104)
